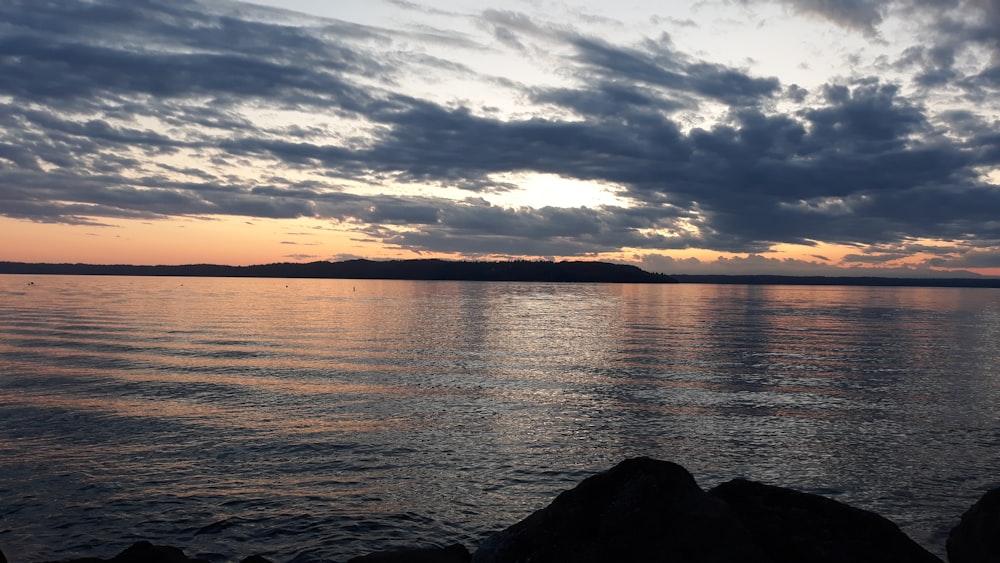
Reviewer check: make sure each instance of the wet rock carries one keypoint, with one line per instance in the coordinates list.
(976, 538)
(640, 510)
(455, 553)
(792, 526)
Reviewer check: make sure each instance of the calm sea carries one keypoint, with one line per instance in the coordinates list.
(315, 420)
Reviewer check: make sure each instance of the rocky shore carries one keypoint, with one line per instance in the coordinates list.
(649, 510)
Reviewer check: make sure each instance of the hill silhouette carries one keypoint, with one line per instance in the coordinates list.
(419, 269)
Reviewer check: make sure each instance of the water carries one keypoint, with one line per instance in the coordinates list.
(316, 420)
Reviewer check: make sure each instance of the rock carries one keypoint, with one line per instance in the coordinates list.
(455, 553)
(640, 510)
(792, 527)
(976, 538)
(144, 552)
(648, 510)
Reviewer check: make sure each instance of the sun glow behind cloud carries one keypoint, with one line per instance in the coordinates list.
(549, 190)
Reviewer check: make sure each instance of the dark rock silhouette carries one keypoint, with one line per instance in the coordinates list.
(791, 527)
(648, 510)
(455, 553)
(146, 552)
(640, 510)
(976, 538)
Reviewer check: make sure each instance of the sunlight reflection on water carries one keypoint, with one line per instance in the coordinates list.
(320, 419)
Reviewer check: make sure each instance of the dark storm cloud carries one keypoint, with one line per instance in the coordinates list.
(202, 55)
(852, 170)
(609, 99)
(659, 65)
(96, 95)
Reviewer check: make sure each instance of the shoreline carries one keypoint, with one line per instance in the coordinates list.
(444, 270)
(413, 270)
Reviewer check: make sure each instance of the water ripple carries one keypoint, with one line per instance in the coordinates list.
(230, 417)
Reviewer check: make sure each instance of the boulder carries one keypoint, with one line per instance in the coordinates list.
(648, 510)
(640, 510)
(144, 552)
(976, 538)
(792, 526)
(455, 553)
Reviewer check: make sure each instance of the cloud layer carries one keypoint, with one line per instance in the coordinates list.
(121, 109)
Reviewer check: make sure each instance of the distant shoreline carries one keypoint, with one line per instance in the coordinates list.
(445, 270)
(420, 269)
(877, 281)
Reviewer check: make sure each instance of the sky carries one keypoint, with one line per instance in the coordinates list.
(821, 137)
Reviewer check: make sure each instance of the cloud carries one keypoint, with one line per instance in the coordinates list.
(862, 15)
(658, 65)
(974, 259)
(302, 257)
(952, 31)
(508, 27)
(113, 109)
